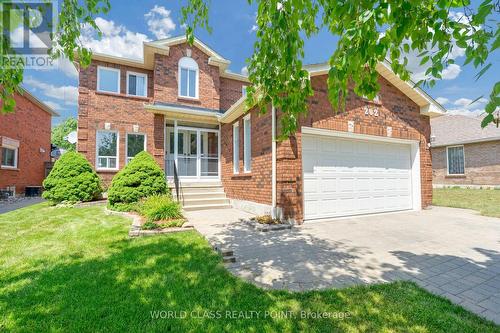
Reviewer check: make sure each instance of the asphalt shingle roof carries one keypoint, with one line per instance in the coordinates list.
(450, 130)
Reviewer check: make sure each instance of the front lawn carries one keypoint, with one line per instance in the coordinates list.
(487, 202)
(75, 270)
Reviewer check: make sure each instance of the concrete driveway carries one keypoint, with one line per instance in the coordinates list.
(450, 252)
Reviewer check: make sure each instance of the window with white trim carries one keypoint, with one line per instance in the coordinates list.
(247, 144)
(456, 160)
(135, 144)
(137, 84)
(188, 78)
(108, 79)
(9, 157)
(107, 150)
(236, 147)
(244, 91)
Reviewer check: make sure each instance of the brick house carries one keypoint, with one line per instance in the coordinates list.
(24, 143)
(463, 153)
(182, 105)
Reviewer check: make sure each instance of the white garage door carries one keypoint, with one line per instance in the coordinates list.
(345, 177)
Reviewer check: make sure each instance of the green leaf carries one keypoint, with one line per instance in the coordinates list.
(482, 71)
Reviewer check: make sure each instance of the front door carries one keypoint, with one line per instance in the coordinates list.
(195, 152)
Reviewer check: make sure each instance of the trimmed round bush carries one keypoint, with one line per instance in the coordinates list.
(72, 179)
(141, 178)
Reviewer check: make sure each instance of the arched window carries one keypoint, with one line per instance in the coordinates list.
(188, 78)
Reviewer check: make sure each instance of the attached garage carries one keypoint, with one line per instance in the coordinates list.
(349, 174)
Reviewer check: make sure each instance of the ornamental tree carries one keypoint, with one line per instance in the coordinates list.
(369, 31)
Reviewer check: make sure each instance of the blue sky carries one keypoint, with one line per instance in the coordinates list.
(129, 23)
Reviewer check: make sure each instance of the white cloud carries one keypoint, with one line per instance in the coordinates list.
(66, 94)
(442, 100)
(253, 28)
(465, 108)
(159, 22)
(116, 39)
(451, 72)
(244, 70)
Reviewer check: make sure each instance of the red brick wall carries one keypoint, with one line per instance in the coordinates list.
(120, 111)
(166, 78)
(395, 110)
(482, 165)
(31, 126)
(257, 185)
(230, 92)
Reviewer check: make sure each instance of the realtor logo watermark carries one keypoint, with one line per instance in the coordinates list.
(28, 28)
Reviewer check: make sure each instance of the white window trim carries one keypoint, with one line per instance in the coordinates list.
(244, 91)
(16, 157)
(126, 144)
(247, 147)
(448, 161)
(117, 151)
(236, 149)
(99, 81)
(145, 76)
(197, 79)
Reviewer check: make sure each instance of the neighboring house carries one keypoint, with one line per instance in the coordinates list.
(24, 144)
(182, 105)
(463, 153)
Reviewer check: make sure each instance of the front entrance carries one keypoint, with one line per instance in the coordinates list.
(192, 153)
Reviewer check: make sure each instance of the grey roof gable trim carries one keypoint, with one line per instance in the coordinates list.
(453, 130)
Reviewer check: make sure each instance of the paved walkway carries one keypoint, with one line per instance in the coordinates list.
(10, 205)
(450, 252)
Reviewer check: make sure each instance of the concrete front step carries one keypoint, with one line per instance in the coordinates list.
(206, 207)
(209, 195)
(187, 190)
(205, 201)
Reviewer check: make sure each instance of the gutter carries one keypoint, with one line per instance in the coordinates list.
(465, 142)
(274, 192)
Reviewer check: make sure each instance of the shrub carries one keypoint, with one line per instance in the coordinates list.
(72, 179)
(141, 178)
(160, 207)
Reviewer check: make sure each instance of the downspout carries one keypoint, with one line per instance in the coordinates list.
(274, 212)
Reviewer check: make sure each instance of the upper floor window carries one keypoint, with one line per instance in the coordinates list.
(108, 79)
(456, 160)
(188, 78)
(137, 84)
(244, 91)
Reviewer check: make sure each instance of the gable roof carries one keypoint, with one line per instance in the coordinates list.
(453, 130)
(428, 106)
(162, 46)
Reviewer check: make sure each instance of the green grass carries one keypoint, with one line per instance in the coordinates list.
(487, 202)
(75, 270)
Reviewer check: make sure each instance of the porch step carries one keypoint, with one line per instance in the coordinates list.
(205, 201)
(201, 189)
(204, 195)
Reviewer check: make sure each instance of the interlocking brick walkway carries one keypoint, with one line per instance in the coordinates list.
(450, 252)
